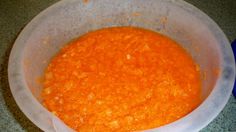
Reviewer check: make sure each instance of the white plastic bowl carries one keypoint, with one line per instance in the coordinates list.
(42, 38)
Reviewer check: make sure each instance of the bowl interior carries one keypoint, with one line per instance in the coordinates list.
(61, 26)
(53, 28)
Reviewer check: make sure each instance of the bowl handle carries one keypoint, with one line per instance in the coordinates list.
(234, 51)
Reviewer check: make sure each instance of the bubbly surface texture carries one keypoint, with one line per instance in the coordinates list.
(121, 79)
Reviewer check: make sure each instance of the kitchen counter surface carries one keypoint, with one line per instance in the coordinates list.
(15, 14)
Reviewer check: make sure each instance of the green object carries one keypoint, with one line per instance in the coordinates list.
(15, 14)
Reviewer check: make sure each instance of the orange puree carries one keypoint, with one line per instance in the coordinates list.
(121, 79)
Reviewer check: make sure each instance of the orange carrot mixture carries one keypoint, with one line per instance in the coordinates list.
(121, 79)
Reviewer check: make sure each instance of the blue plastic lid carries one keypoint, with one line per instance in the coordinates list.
(234, 50)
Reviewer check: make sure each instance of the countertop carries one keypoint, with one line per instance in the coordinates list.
(15, 14)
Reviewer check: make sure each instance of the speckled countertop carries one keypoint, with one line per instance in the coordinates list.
(15, 14)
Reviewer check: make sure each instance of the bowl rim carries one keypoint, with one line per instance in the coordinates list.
(223, 84)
